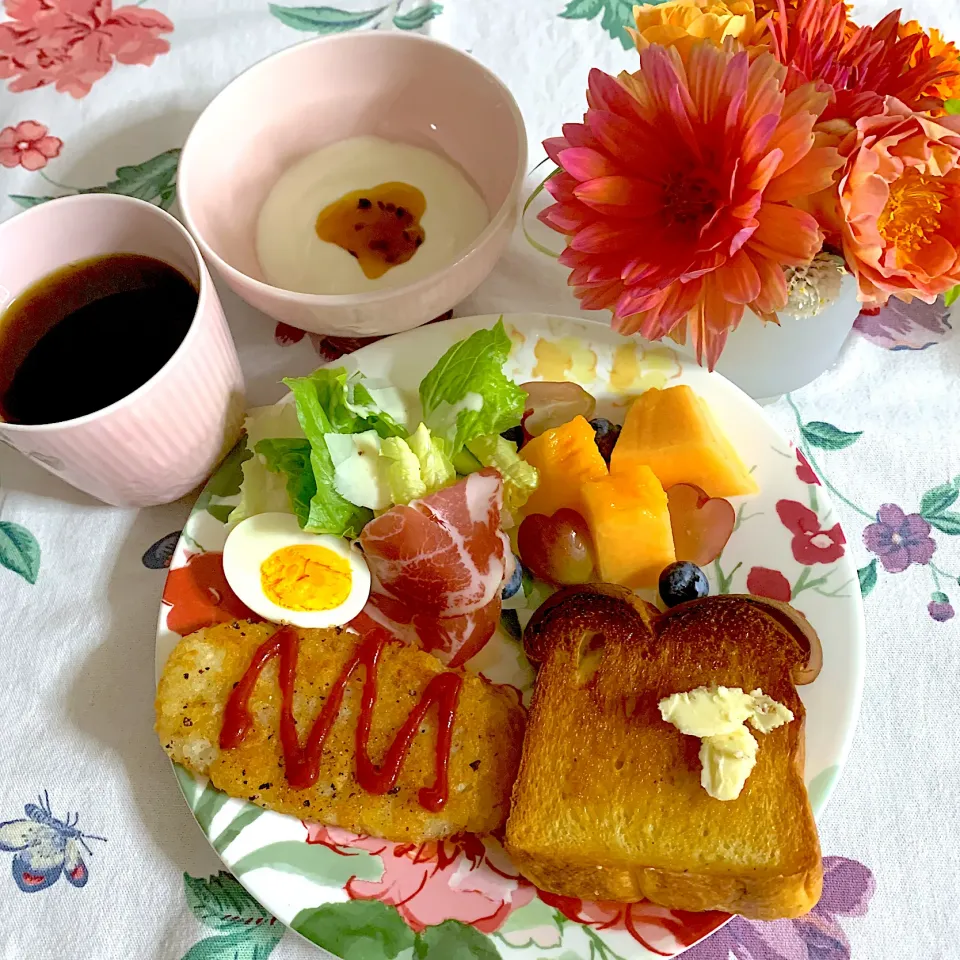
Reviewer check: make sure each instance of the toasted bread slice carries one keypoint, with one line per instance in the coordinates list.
(608, 803)
(487, 734)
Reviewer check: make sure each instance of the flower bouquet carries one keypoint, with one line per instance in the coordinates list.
(763, 150)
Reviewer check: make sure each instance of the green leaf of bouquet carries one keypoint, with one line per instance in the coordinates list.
(948, 523)
(221, 903)
(453, 940)
(950, 297)
(935, 501)
(19, 550)
(153, 180)
(357, 929)
(312, 860)
(418, 17)
(868, 577)
(323, 19)
(27, 202)
(828, 437)
(951, 106)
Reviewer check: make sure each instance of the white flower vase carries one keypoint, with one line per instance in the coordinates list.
(767, 361)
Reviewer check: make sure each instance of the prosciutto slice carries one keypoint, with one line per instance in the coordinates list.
(452, 640)
(442, 555)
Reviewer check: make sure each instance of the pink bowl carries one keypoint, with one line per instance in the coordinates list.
(399, 86)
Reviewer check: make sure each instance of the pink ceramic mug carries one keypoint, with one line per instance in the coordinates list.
(162, 440)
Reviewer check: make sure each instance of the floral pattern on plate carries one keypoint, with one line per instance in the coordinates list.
(462, 896)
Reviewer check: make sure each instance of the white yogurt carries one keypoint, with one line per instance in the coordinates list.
(293, 257)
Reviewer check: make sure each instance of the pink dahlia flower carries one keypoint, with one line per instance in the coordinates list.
(675, 192)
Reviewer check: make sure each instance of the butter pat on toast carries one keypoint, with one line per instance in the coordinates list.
(487, 733)
(608, 803)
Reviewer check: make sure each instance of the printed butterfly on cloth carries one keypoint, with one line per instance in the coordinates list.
(45, 847)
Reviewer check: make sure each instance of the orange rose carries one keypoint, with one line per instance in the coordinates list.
(900, 199)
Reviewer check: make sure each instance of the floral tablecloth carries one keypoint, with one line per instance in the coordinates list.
(99, 95)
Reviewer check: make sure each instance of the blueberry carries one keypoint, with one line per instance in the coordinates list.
(514, 435)
(682, 581)
(512, 583)
(606, 434)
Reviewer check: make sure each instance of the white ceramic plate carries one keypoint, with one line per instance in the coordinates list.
(374, 900)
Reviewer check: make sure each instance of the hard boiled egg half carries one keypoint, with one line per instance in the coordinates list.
(288, 575)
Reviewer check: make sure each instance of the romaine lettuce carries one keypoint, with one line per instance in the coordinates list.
(520, 478)
(291, 459)
(329, 511)
(436, 470)
(263, 491)
(400, 467)
(348, 404)
(467, 395)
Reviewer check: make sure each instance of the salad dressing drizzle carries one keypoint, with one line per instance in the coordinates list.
(302, 763)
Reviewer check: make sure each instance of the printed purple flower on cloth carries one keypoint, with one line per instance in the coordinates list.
(899, 538)
(847, 889)
(940, 608)
(905, 326)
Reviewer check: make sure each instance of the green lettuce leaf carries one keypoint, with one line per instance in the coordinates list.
(467, 395)
(466, 463)
(329, 512)
(291, 458)
(263, 491)
(520, 478)
(401, 467)
(436, 470)
(348, 404)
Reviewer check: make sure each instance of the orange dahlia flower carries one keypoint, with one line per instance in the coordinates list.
(900, 197)
(863, 66)
(679, 23)
(675, 192)
(931, 44)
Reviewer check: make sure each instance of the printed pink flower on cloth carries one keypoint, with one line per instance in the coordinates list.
(73, 43)
(28, 145)
(676, 193)
(900, 197)
(463, 879)
(811, 544)
(656, 928)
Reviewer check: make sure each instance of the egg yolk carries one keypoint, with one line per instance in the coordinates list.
(306, 578)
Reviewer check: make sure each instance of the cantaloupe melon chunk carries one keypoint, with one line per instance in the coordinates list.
(630, 524)
(674, 434)
(565, 457)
